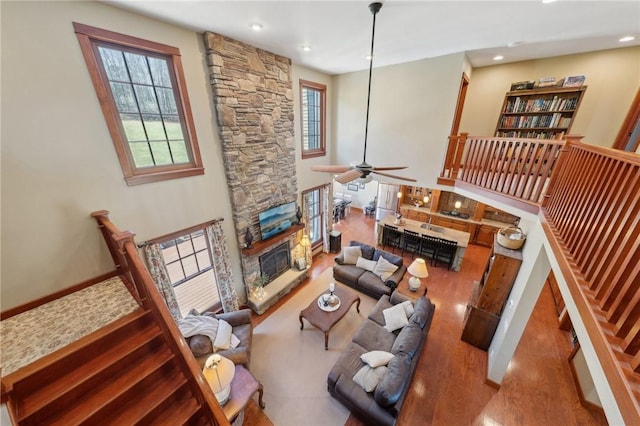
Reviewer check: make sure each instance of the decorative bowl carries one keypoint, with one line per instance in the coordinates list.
(511, 237)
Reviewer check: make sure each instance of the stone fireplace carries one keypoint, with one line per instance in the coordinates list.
(253, 97)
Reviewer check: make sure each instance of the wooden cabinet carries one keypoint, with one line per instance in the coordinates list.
(460, 225)
(545, 113)
(484, 235)
(489, 296)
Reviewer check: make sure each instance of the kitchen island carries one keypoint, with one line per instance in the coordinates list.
(460, 237)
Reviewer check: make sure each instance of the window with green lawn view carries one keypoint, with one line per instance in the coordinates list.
(144, 100)
(312, 102)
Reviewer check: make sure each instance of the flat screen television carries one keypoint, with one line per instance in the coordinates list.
(277, 219)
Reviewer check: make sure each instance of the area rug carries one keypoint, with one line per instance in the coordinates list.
(293, 365)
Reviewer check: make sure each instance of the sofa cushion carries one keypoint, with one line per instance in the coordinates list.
(384, 269)
(408, 340)
(200, 345)
(392, 258)
(394, 318)
(367, 250)
(408, 308)
(372, 336)
(392, 383)
(348, 363)
(368, 377)
(351, 255)
(421, 311)
(376, 358)
(373, 283)
(382, 304)
(349, 273)
(366, 264)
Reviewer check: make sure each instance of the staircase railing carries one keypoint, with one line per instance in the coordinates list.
(589, 200)
(130, 261)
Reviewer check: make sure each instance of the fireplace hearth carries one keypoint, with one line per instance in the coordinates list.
(275, 262)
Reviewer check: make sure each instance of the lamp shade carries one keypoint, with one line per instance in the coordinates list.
(305, 242)
(418, 268)
(219, 372)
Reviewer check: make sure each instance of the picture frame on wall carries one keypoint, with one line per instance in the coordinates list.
(352, 187)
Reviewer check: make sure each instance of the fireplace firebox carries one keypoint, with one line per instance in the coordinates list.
(275, 262)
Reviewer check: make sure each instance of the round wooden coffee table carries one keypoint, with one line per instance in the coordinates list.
(324, 320)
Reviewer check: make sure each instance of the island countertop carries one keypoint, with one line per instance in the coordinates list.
(489, 222)
(461, 237)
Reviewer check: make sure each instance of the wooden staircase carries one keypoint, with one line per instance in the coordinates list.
(122, 374)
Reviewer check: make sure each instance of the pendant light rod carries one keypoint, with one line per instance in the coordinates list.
(374, 8)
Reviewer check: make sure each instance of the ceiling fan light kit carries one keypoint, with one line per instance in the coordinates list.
(362, 171)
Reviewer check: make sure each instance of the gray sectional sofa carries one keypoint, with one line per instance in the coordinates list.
(365, 281)
(383, 405)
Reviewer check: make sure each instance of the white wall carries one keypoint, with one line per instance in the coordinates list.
(58, 160)
(613, 78)
(306, 178)
(411, 112)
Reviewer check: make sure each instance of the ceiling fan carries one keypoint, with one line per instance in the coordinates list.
(363, 170)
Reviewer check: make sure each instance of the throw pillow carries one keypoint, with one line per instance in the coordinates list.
(376, 358)
(368, 378)
(200, 345)
(351, 255)
(384, 269)
(408, 308)
(395, 317)
(223, 336)
(367, 265)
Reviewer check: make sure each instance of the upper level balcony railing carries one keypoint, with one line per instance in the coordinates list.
(589, 200)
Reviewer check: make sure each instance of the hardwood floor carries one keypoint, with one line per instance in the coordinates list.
(449, 384)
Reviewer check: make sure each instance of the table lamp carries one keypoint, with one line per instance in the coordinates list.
(305, 242)
(219, 372)
(417, 269)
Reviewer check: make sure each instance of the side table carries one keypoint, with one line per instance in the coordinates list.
(403, 288)
(243, 387)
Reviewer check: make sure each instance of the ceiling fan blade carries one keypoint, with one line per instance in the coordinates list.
(394, 176)
(390, 168)
(348, 176)
(331, 169)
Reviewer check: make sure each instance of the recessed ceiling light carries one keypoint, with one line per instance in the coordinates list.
(306, 48)
(369, 57)
(498, 58)
(626, 38)
(256, 27)
(548, 1)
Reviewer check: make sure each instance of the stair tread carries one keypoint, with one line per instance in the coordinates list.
(147, 370)
(168, 390)
(83, 373)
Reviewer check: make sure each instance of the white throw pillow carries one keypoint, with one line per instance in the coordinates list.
(223, 336)
(395, 317)
(408, 308)
(368, 378)
(376, 358)
(367, 265)
(351, 255)
(384, 269)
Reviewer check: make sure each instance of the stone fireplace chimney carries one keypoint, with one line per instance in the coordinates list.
(253, 97)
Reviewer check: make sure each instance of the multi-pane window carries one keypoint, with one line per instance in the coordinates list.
(145, 103)
(312, 199)
(188, 262)
(313, 106)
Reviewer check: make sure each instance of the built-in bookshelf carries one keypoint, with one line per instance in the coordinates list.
(543, 113)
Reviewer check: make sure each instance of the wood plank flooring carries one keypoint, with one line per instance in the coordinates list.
(449, 385)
